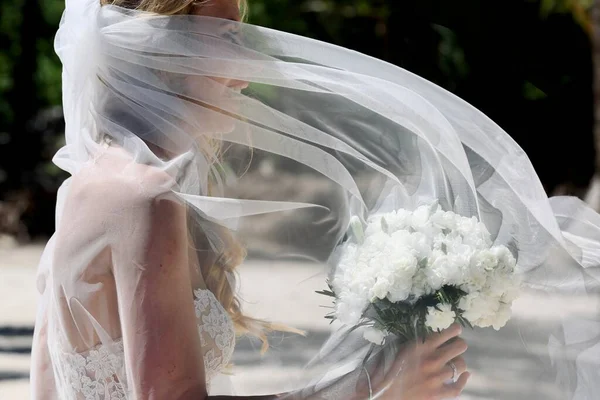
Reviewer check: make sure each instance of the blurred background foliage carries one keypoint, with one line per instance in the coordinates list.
(525, 63)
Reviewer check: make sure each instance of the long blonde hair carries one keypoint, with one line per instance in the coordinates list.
(217, 267)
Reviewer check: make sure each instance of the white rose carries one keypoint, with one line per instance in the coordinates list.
(440, 319)
(374, 335)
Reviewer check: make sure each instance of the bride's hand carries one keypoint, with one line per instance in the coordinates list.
(421, 371)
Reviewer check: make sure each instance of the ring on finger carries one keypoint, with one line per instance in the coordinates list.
(454, 371)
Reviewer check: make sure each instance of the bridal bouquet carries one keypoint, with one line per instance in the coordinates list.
(410, 273)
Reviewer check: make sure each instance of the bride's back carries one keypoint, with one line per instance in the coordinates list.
(109, 198)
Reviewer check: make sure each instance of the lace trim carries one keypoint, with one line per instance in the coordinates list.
(94, 374)
(214, 326)
(99, 373)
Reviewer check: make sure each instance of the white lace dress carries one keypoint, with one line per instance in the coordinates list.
(93, 374)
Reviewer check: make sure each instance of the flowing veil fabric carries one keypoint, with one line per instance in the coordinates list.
(321, 134)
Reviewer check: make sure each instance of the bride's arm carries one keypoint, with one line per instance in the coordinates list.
(163, 355)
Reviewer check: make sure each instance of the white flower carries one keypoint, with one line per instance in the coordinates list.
(440, 319)
(444, 220)
(381, 288)
(502, 316)
(374, 335)
(402, 238)
(505, 258)
(498, 284)
(420, 244)
(474, 280)
(446, 270)
(400, 290)
(348, 310)
(420, 287)
(398, 220)
(466, 226)
(484, 259)
(479, 308)
(420, 217)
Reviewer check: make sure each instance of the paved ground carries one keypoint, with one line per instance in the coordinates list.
(502, 369)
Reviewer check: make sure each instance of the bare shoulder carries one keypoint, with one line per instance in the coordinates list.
(117, 177)
(116, 192)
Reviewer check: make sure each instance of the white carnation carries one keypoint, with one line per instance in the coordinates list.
(444, 219)
(404, 268)
(421, 245)
(420, 286)
(420, 217)
(374, 335)
(381, 288)
(405, 255)
(348, 309)
(506, 261)
(441, 318)
(502, 316)
(467, 226)
(479, 308)
(446, 270)
(484, 260)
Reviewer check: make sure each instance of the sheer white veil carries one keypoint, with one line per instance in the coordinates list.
(321, 134)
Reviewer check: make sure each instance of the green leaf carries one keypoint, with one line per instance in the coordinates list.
(325, 293)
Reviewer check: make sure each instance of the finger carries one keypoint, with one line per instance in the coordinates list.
(455, 389)
(460, 364)
(447, 372)
(446, 353)
(439, 338)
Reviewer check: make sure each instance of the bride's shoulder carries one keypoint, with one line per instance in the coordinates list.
(115, 180)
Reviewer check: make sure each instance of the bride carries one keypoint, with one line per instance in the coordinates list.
(173, 108)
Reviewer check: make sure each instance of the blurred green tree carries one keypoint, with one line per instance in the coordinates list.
(30, 118)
